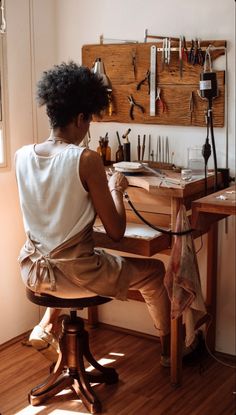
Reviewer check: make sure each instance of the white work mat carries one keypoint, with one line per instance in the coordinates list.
(134, 230)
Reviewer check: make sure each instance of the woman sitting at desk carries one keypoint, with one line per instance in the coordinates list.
(62, 187)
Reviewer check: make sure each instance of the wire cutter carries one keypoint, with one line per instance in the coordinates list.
(132, 105)
(159, 100)
(145, 80)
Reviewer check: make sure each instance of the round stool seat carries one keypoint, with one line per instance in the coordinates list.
(46, 300)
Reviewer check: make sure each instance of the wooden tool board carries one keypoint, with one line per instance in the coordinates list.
(175, 91)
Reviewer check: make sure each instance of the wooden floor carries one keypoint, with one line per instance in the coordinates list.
(143, 389)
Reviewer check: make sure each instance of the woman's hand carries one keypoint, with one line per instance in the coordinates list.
(118, 181)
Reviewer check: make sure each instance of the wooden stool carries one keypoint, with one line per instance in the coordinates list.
(69, 370)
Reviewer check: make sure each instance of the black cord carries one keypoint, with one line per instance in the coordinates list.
(214, 151)
(206, 151)
(153, 226)
(213, 141)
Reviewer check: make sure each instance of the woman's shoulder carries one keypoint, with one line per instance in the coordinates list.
(24, 150)
(90, 157)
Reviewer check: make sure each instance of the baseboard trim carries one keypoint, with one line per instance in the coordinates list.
(127, 331)
(228, 357)
(14, 340)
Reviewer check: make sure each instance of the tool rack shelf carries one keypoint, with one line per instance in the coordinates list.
(176, 92)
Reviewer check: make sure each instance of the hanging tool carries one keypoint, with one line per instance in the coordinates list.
(149, 147)
(107, 40)
(132, 105)
(144, 81)
(200, 53)
(162, 149)
(138, 148)
(191, 53)
(160, 101)
(147, 36)
(167, 155)
(157, 151)
(153, 54)
(163, 56)
(98, 68)
(183, 54)
(166, 49)
(191, 105)
(196, 55)
(134, 63)
(184, 49)
(143, 146)
(209, 91)
(206, 150)
(159, 148)
(180, 57)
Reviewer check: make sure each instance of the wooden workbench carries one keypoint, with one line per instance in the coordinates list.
(214, 207)
(206, 212)
(159, 203)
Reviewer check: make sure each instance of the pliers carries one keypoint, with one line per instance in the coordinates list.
(132, 105)
(159, 100)
(196, 55)
(143, 81)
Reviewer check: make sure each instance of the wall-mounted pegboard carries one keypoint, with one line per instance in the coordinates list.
(180, 95)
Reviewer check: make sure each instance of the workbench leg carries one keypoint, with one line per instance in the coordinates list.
(176, 324)
(211, 283)
(176, 352)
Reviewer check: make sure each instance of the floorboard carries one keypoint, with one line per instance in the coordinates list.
(143, 389)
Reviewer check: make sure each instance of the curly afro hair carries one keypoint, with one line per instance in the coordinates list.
(68, 90)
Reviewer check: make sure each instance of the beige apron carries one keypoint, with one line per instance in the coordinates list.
(75, 269)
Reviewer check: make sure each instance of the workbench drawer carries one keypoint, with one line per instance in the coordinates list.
(139, 239)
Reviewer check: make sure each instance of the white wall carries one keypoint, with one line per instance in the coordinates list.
(17, 313)
(83, 23)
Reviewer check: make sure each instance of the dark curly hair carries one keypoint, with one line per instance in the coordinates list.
(70, 89)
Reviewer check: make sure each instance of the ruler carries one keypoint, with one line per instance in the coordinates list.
(153, 56)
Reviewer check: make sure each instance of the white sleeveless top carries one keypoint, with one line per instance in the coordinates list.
(54, 203)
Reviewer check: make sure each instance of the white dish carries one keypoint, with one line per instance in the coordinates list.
(128, 166)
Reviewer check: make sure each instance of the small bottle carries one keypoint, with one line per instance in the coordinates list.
(126, 147)
(120, 154)
(99, 148)
(104, 150)
(107, 154)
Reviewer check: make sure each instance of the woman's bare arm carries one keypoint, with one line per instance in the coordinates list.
(107, 197)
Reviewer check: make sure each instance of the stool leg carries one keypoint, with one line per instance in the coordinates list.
(108, 374)
(85, 392)
(75, 362)
(56, 382)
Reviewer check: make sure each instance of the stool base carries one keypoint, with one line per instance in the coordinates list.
(69, 371)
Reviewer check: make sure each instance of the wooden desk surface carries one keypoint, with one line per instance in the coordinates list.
(156, 185)
(214, 207)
